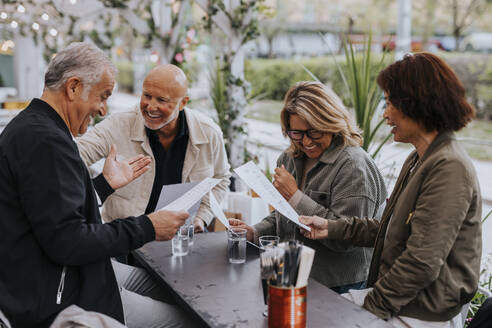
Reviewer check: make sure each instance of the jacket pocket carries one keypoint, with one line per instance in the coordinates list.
(61, 285)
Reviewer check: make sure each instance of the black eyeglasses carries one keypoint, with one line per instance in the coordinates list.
(298, 135)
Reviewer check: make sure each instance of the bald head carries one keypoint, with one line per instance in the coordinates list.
(163, 96)
(169, 77)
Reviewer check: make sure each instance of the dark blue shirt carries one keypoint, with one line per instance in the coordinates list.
(168, 164)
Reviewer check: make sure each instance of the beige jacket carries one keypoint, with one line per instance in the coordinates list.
(205, 157)
(427, 246)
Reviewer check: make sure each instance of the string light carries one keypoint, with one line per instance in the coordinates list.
(7, 44)
(21, 9)
(73, 2)
(3, 15)
(45, 16)
(53, 32)
(14, 24)
(154, 58)
(35, 26)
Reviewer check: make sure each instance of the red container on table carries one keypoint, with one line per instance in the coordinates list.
(287, 307)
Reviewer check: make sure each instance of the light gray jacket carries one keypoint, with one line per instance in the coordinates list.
(344, 182)
(205, 157)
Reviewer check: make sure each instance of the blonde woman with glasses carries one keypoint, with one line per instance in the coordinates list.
(325, 173)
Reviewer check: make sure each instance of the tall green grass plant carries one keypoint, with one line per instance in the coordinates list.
(359, 80)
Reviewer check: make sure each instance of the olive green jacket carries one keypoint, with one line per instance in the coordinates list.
(427, 246)
(344, 182)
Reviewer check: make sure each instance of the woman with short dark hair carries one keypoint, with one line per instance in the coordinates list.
(427, 246)
(426, 90)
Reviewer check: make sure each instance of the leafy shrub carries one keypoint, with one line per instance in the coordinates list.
(271, 78)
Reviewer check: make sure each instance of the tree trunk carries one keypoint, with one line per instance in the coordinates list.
(237, 101)
(233, 55)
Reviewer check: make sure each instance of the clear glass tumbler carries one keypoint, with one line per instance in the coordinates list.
(236, 245)
(264, 241)
(180, 242)
(191, 233)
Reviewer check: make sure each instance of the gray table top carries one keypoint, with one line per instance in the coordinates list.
(221, 294)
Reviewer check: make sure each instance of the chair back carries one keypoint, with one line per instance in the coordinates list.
(483, 317)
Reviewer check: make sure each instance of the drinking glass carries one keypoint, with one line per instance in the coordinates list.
(270, 264)
(191, 233)
(268, 241)
(180, 242)
(236, 245)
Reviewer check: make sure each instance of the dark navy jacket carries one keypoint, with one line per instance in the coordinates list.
(54, 250)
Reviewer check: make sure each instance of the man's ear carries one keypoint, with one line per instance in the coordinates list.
(184, 101)
(73, 87)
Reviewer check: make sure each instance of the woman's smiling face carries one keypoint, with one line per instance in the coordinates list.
(403, 128)
(312, 148)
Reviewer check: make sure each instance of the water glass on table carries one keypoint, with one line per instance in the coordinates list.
(191, 234)
(271, 257)
(236, 245)
(265, 241)
(180, 242)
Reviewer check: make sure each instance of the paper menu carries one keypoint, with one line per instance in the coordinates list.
(170, 193)
(195, 194)
(217, 210)
(307, 258)
(256, 180)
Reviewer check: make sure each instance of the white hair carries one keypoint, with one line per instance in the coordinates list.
(80, 59)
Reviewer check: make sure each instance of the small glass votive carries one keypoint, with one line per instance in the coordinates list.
(265, 241)
(180, 242)
(236, 245)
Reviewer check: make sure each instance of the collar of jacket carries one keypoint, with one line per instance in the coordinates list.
(441, 139)
(195, 131)
(330, 155)
(42, 106)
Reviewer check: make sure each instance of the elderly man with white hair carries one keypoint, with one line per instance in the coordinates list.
(54, 249)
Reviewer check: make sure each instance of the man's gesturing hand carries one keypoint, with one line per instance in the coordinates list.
(119, 174)
(166, 223)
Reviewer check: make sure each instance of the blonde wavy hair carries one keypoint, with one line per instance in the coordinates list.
(322, 110)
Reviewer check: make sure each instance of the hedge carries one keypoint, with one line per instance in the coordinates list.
(271, 78)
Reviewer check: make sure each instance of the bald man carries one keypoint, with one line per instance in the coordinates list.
(184, 145)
